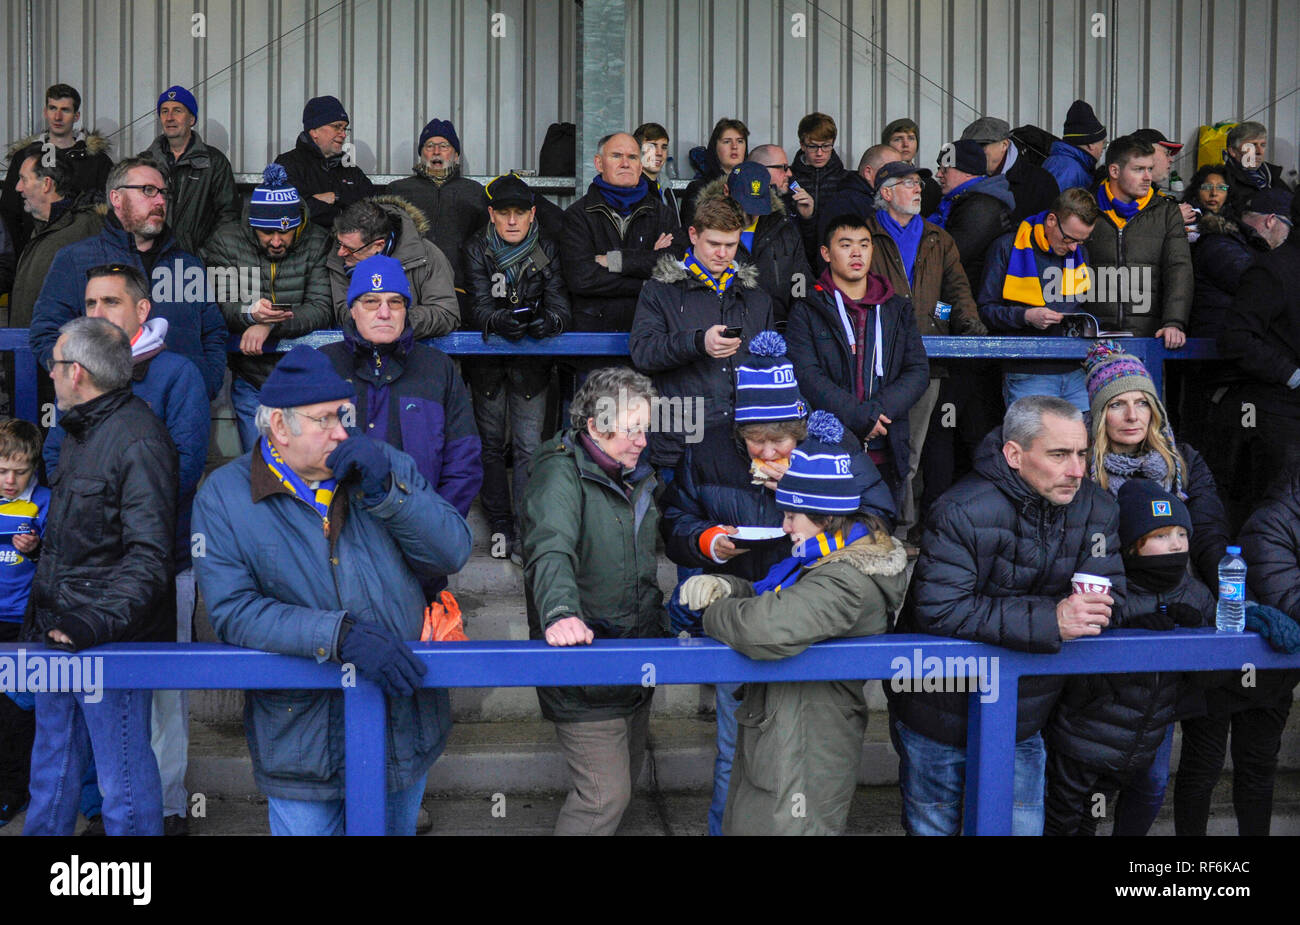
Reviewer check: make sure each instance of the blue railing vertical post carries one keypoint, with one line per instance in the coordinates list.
(365, 727)
(25, 398)
(991, 758)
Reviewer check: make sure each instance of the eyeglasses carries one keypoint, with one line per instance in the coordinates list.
(1211, 187)
(148, 189)
(49, 367)
(353, 251)
(910, 183)
(327, 422)
(781, 167)
(632, 433)
(438, 145)
(1284, 220)
(819, 146)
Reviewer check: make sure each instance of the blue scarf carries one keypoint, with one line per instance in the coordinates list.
(787, 571)
(622, 198)
(940, 218)
(1121, 213)
(908, 239)
(319, 498)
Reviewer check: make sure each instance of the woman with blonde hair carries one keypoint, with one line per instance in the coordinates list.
(1131, 438)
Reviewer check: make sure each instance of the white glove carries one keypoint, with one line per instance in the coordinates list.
(699, 591)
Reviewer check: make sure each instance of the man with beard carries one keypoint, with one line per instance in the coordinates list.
(136, 233)
(456, 206)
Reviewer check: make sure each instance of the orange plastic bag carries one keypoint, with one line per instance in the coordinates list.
(442, 621)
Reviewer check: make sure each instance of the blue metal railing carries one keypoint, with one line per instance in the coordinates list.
(991, 738)
(1151, 351)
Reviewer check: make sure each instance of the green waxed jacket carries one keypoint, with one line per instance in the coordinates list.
(799, 744)
(589, 551)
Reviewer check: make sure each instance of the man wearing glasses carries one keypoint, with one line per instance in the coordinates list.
(324, 174)
(818, 170)
(455, 205)
(136, 233)
(317, 543)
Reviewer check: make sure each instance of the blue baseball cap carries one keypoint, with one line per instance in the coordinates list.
(749, 185)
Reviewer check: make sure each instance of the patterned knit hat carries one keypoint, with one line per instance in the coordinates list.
(1109, 371)
(822, 478)
(275, 205)
(766, 390)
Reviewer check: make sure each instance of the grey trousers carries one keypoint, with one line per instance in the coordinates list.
(605, 759)
(918, 419)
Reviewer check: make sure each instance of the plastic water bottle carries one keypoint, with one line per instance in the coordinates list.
(1230, 614)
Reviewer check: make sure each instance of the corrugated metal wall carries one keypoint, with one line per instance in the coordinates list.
(394, 63)
(1172, 64)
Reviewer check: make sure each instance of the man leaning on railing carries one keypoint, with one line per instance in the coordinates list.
(315, 544)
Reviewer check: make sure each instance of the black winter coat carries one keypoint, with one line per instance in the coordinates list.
(1262, 331)
(106, 571)
(539, 286)
(979, 216)
(203, 194)
(777, 252)
(667, 343)
(1241, 189)
(1270, 544)
(823, 184)
(457, 211)
(1117, 721)
(1033, 188)
(996, 558)
(311, 173)
(823, 367)
(1220, 256)
(604, 298)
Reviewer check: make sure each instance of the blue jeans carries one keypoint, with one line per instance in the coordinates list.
(326, 817)
(115, 731)
(932, 777)
(1070, 386)
(1138, 804)
(680, 617)
(727, 704)
(244, 398)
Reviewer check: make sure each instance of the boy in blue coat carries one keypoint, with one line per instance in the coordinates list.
(23, 505)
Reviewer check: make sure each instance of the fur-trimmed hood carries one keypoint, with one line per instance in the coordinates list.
(95, 142)
(717, 189)
(870, 556)
(669, 269)
(1216, 223)
(396, 204)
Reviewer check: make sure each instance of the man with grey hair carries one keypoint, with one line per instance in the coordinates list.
(136, 233)
(997, 558)
(105, 575)
(1032, 187)
(1243, 160)
(612, 238)
(317, 543)
(857, 195)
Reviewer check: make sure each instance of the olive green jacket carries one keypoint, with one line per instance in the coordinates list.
(589, 551)
(799, 744)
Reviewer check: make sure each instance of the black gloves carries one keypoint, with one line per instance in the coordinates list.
(380, 657)
(545, 324)
(503, 322)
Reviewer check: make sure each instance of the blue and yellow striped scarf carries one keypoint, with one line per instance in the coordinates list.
(1022, 283)
(1121, 213)
(319, 498)
(695, 269)
(787, 571)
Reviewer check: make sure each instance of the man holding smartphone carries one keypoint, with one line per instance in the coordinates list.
(692, 317)
(293, 289)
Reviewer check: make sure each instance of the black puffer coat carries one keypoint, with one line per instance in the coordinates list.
(1220, 256)
(1117, 721)
(1262, 329)
(106, 567)
(540, 285)
(823, 184)
(980, 215)
(667, 343)
(996, 559)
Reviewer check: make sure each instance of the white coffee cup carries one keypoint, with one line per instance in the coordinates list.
(1083, 583)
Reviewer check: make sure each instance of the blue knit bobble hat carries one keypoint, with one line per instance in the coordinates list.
(766, 389)
(275, 205)
(822, 478)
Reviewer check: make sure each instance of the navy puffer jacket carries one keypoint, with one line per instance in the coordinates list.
(1117, 721)
(996, 558)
